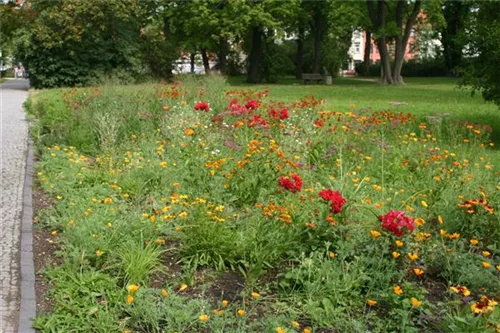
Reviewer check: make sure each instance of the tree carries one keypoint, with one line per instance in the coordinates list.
(392, 22)
(72, 43)
(483, 49)
(455, 14)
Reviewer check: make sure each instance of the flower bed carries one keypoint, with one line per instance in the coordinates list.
(186, 208)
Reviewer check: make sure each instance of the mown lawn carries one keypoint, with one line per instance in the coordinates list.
(203, 206)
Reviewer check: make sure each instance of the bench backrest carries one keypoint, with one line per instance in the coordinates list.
(312, 76)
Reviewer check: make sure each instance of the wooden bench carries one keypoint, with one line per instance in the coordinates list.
(312, 77)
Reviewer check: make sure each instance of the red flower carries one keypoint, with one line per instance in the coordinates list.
(202, 106)
(256, 120)
(252, 104)
(236, 109)
(292, 184)
(396, 221)
(336, 199)
(319, 123)
(279, 115)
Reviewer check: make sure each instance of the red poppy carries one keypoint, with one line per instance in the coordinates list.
(202, 106)
(292, 183)
(396, 221)
(336, 199)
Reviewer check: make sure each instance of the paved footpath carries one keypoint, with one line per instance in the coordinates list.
(13, 143)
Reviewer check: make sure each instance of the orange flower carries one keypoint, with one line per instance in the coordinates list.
(371, 302)
(418, 271)
(375, 233)
(225, 303)
(398, 290)
(415, 302)
(474, 242)
(130, 299)
(280, 330)
(399, 243)
(420, 222)
(331, 255)
(164, 293)
(412, 256)
(460, 290)
(486, 264)
(204, 317)
(241, 312)
(189, 131)
(486, 253)
(306, 330)
(108, 200)
(396, 255)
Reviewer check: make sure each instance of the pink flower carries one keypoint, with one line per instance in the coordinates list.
(336, 199)
(396, 221)
(292, 183)
(202, 106)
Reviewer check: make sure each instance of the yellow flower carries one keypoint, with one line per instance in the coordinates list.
(474, 242)
(179, 228)
(204, 317)
(306, 330)
(486, 253)
(412, 256)
(132, 288)
(130, 299)
(399, 243)
(396, 255)
(498, 267)
(442, 232)
(460, 290)
(398, 290)
(486, 264)
(418, 271)
(295, 324)
(183, 287)
(331, 255)
(415, 302)
(225, 303)
(188, 131)
(424, 204)
(375, 233)
(54, 233)
(420, 222)
(241, 312)
(280, 330)
(255, 295)
(163, 164)
(99, 253)
(164, 293)
(108, 200)
(371, 302)
(440, 219)
(218, 312)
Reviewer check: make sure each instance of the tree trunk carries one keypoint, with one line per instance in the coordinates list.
(206, 63)
(255, 56)
(385, 64)
(402, 39)
(299, 59)
(367, 56)
(318, 38)
(191, 61)
(223, 51)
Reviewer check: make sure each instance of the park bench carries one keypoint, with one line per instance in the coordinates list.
(312, 77)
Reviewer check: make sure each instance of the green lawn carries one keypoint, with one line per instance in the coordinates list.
(422, 96)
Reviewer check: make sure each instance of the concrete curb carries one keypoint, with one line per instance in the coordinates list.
(27, 309)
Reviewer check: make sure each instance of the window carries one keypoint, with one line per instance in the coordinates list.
(356, 46)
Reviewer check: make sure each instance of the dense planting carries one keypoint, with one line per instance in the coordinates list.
(189, 207)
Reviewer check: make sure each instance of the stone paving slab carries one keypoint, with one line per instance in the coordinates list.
(13, 143)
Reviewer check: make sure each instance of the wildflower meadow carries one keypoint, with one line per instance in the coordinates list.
(196, 206)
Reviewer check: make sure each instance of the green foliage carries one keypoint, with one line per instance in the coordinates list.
(483, 40)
